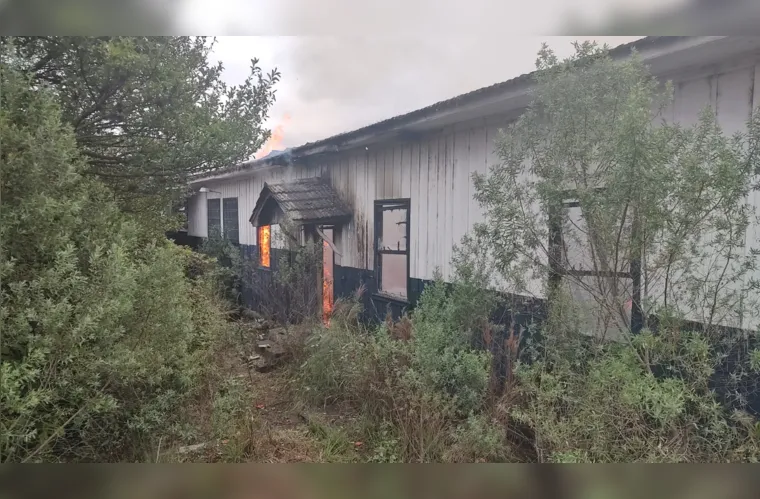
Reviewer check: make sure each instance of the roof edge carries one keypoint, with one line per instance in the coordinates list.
(649, 47)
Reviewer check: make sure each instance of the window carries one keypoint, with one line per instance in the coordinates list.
(392, 247)
(614, 281)
(214, 214)
(230, 219)
(265, 246)
(222, 216)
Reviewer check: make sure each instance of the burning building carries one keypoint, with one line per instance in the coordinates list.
(390, 200)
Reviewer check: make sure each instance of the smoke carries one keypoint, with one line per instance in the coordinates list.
(333, 84)
(353, 63)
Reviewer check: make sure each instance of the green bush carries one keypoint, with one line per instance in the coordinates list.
(417, 389)
(104, 335)
(477, 439)
(384, 443)
(648, 400)
(443, 355)
(231, 266)
(337, 368)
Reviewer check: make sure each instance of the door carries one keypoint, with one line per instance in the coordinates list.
(328, 272)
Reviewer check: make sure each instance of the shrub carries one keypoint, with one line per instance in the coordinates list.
(442, 355)
(291, 294)
(477, 439)
(337, 366)
(384, 442)
(648, 400)
(230, 264)
(417, 386)
(422, 419)
(104, 335)
(297, 290)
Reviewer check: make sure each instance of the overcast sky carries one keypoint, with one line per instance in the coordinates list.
(361, 74)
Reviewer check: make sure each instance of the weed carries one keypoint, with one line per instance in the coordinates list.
(334, 444)
(477, 439)
(234, 424)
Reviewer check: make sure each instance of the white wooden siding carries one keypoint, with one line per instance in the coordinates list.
(435, 172)
(730, 94)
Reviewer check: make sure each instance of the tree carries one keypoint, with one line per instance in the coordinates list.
(603, 202)
(102, 335)
(621, 217)
(149, 112)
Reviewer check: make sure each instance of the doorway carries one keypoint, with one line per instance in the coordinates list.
(328, 273)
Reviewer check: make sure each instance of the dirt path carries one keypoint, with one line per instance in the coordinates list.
(292, 433)
(283, 435)
(282, 430)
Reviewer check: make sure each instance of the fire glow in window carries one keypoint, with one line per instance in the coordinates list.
(265, 248)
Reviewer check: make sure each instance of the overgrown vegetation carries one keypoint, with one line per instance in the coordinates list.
(420, 383)
(148, 112)
(230, 264)
(115, 344)
(593, 385)
(604, 405)
(290, 294)
(105, 339)
(662, 200)
(118, 346)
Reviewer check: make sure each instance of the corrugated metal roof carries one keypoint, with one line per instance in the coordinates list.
(308, 200)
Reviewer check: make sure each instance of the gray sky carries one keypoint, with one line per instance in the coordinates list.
(339, 75)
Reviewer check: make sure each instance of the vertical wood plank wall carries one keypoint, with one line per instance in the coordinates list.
(434, 173)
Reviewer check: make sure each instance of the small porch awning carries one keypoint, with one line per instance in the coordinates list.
(304, 201)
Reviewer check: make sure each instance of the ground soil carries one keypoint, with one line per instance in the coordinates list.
(285, 431)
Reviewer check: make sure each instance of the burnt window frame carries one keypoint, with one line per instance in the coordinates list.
(225, 230)
(382, 205)
(556, 261)
(209, 203)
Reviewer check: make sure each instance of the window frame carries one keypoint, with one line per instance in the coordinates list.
(557, 251)
(209, 202)
(224, 229)
(382, 205)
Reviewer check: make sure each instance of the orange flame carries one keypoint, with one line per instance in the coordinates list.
(264, 245)
(274, 143)
(327, 283)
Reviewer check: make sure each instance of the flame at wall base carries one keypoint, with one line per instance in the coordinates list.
(327, 283)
